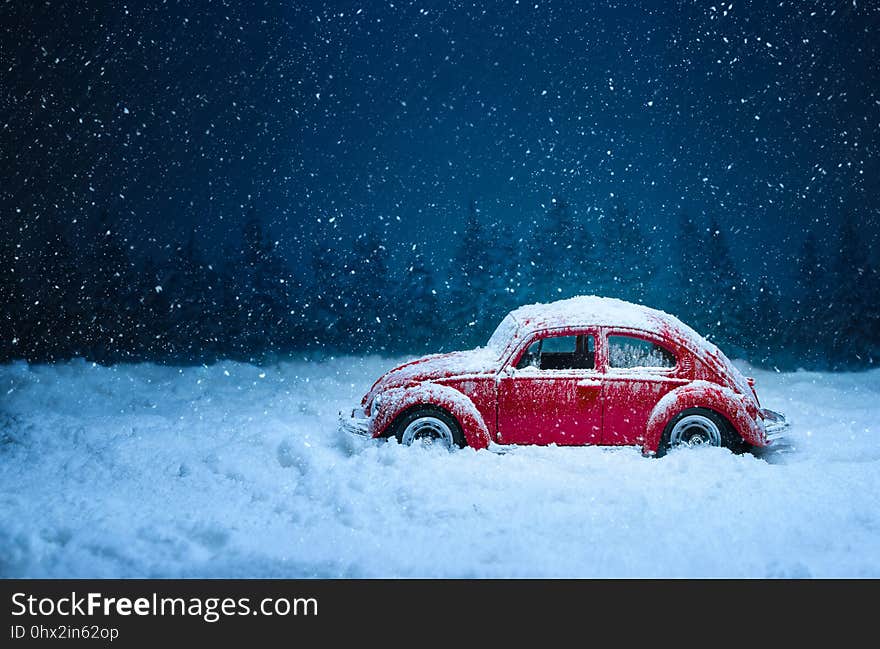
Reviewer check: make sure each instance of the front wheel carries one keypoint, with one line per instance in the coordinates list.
(429, 426)
(699, 427)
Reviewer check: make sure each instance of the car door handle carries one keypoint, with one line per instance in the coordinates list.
(589, 383)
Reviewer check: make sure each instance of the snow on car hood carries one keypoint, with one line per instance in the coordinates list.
(439, 366)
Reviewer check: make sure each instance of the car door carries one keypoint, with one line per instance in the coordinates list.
(640, 369)
(551, 392)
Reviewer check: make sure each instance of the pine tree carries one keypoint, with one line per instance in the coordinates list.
(690, 264)
(503, 260)
(265, 292)
(151, 340)
(555, 267)
(214, 317)
(191, 289)
(872, 315)
(11, 298)
(765, 327)
(627, 256)
(107, 295)
(371, 314)
(810, 309)
(469, 281)
(565, 258)
(232, 314)
(326, 305)
(518, 281)
(59, 294)
(725, 299)
(417, 298)
(584, 276)
(849, 330)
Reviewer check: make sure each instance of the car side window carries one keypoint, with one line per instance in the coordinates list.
(560, 353)
(628, 352)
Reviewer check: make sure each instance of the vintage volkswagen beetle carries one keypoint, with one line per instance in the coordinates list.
(586, 370)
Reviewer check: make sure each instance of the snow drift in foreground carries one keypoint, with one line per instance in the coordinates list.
(235, 470)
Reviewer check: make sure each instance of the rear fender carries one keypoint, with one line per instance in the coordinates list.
(702, 394)
(398, 400)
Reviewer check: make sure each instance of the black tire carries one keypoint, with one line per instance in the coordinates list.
(402, 423)
(729, 438)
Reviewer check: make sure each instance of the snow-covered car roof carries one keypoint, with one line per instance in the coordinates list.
(595, 311)
(592, 310)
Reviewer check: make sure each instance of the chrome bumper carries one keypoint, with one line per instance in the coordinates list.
(775, 424)
(356, 422)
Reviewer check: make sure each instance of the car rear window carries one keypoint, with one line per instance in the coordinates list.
(628, 352)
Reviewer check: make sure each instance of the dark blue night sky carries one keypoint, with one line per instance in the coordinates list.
(172, 118)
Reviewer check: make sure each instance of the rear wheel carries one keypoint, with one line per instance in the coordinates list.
(699, 427)
(429, 426)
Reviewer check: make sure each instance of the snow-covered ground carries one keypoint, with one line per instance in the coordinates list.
(235, 470)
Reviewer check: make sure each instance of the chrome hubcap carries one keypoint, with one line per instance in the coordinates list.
(695, 430)
(427, 431)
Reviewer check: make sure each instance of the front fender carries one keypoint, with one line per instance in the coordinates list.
(702, 394)
(397, 400)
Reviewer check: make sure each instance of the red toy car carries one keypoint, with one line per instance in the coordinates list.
(587, 370)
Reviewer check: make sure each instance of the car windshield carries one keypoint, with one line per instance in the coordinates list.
(503, 333)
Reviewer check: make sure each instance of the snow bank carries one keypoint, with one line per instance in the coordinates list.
(235, 470)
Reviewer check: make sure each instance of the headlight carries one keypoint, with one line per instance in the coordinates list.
(377, 403)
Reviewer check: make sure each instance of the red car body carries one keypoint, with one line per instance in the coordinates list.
(630, 371)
